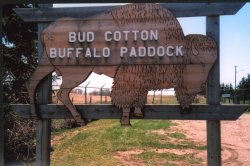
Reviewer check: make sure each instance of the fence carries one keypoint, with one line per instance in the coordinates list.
(101, 95)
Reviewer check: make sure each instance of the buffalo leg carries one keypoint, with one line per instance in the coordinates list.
(139, 103)
(71, 79)
(138, 113)
(40, 73)
(184, 99)
(125, 120)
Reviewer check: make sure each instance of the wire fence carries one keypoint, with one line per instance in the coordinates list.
(101, 95)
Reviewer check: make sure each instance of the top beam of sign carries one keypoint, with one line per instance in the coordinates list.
(178, 9)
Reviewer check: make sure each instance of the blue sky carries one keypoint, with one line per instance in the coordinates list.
(234, 44)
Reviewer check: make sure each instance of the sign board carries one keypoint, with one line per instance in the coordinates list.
(213, 112)
(135, 34)
(141, 46)
(226, 95)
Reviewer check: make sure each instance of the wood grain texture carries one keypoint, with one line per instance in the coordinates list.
(139, 17)
(43, 138)
(131, 80)
(213, 142)
(178, 9)
(43, 126)
(213, 97)
(213, 83)
(198, 112)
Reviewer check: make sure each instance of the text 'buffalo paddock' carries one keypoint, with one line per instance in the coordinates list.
(90, 51)
(124, 51)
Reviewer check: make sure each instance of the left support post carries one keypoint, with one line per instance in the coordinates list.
(43, 126)
(43, 129)
(43, 136)
(1, 100)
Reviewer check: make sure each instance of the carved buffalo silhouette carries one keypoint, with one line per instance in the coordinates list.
(75, 48)
(132, 82)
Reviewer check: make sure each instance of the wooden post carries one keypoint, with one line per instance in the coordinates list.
(213, 143)
(101, 96)
(43, 136)
(85, 93)
(43, 129)
(101, 93)
(213, 97)
(1, 110)
(153, 100)
(161, 96)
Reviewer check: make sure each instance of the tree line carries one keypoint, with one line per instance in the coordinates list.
(243, 89)
(240, 94)
(19, 46)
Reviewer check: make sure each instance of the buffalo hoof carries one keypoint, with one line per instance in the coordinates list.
(138, 113)
(79, 121)
(74, 123)
(126, 125)
(125, 120)
(185, 110)
(80, 124)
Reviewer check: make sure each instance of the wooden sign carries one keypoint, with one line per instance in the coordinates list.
(135, 34)
(141, 46)
(226, 95)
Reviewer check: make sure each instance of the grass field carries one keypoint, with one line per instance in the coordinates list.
(106, 143)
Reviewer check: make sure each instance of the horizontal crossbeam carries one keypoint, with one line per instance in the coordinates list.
(198, 112)
(178, 9)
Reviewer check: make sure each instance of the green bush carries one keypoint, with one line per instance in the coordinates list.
(19, 136)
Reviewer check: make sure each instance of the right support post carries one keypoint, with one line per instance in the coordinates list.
(213, 97)
(213, 143)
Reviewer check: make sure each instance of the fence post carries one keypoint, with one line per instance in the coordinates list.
(213, 97)
(161, 96)
(101, 93)
(153, 100)
(85, 93)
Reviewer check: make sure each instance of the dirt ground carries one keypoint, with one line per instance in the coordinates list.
(235, 139)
